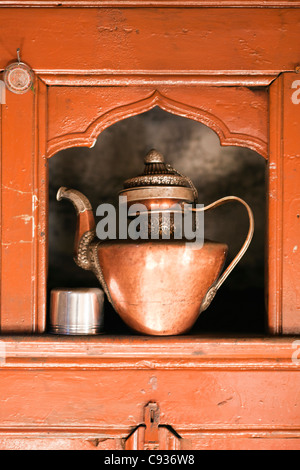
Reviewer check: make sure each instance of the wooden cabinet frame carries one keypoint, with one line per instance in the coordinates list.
(233, 69)
(251, 108)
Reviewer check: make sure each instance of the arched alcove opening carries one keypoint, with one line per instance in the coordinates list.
(216, 171)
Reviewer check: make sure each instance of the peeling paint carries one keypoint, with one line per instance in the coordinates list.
(8, 188)
(221, 403)
(93, 144)
(153, 382)
(25, 217)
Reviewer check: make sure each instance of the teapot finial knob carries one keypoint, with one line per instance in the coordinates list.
(154, 157)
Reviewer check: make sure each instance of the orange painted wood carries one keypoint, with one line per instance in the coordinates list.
(174, 352)
(217, 107)
(234, 389)
(130, 39)
(230, 68)
(251, 442)
(17, 263)
(63, 116)
(284, 206)
(59, 443)
(23, 214)
(147, 3)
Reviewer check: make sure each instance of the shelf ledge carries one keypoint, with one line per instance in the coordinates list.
(145, 352)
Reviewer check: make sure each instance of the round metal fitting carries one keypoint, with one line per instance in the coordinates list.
(18, 77)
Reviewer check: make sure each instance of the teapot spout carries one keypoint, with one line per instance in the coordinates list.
(85, 230)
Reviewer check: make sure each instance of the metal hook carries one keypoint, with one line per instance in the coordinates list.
(18, 55)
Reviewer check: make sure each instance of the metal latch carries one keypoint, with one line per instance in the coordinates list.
(151, 435)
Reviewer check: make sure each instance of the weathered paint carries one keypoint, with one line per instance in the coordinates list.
(236, 393)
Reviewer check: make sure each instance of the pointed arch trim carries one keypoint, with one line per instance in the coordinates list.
(89, 136)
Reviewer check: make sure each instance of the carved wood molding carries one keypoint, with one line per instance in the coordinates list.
(89, 136)
(145, 353)
(155, 78)
(95, 434)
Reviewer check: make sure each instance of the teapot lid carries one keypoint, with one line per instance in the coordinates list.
(162, 180)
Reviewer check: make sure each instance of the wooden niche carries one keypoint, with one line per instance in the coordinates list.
(234, 68)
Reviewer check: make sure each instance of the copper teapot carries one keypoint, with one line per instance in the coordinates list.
(157, 286)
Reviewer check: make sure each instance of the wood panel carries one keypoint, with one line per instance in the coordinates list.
(23, 232)
(172, 39)
(284, 206)
(236, 392)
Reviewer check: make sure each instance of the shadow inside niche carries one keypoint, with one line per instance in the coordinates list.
(194, 150)
(224, 315)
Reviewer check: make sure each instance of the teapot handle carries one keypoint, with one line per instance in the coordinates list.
(213, 289)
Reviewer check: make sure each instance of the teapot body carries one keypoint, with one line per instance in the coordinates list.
(157, 287)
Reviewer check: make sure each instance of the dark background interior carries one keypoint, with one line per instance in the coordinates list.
(216, 171)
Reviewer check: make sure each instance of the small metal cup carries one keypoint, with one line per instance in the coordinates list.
(76, 311)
